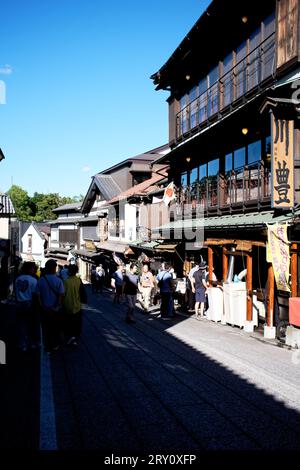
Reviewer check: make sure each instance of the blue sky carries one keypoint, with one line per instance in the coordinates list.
(78, 93)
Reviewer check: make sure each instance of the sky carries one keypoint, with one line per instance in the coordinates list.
(75, 91)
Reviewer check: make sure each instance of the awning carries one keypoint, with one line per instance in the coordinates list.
(243, 221)
(144, 245)
(169, 247)
(113, 246)
(289, 78)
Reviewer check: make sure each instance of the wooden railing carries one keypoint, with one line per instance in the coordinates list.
(250, 184)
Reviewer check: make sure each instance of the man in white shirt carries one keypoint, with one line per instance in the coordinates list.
(27, 322)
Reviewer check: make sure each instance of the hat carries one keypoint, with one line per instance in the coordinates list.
(202, 265)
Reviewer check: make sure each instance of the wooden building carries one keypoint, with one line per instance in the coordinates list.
(234, 134)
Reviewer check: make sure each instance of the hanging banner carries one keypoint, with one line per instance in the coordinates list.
(282, 163)
(279, 255)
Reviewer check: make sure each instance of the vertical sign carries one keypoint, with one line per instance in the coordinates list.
(282, 163)
(278, 253)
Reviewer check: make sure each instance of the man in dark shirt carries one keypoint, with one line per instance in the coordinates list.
(130, 291)
(199, 287)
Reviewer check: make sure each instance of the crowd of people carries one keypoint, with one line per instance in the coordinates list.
(50, 300)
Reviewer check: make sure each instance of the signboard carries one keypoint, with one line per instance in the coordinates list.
(282, 163)
(278, 253)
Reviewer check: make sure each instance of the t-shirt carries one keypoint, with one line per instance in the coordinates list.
(49, 295)
(147, 279)
(72, 303)
(166, 278)
(25, 287)
(131, 284)
(118, 277)
(199, 276)
(64, 274)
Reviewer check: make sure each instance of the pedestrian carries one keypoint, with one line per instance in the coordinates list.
(147, 283)
(73, 298)
(130, 291)
(100, 277)
(190, 293)
(28, 329)
(166, 286)
(50, 290)
(199, 286)
(94, 279)
(64, 272)
(117, 283)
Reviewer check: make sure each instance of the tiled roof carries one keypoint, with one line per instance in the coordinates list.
(141, 189)
(107, 186)
(6, 207)
(68, 207)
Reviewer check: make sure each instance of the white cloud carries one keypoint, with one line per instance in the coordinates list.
(6, 69)
(85, 169)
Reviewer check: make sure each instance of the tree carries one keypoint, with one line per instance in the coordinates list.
(21, 202)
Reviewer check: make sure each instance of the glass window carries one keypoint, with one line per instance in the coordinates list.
(202, 173)
(227, 80)
(213, 94)
(268, 148)
(254, 152)
(202, 100)
(194, 175)
(183, 114)
(193, 107)
(213, 167)
(254, 60)
(184, 179)
(228, 162)
(268, 46)
(240, 70)
(239, 158)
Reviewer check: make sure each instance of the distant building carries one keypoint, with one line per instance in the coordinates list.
(8, 245)
(34, 243)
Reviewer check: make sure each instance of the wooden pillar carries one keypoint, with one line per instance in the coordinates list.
(294, 270)
(210, 265)
(270, 296)
(225, 264)
(249, 287)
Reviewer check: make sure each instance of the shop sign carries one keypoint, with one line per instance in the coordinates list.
(278, 253)
(282, 163)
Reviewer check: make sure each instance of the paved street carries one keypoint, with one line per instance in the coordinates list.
(182, 385)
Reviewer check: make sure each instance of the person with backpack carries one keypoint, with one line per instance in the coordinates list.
(166, 287)
(50, 291)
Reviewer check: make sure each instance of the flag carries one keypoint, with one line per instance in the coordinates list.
(169, 194)
(279, 253)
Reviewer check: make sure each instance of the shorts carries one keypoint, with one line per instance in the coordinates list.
(200, 295)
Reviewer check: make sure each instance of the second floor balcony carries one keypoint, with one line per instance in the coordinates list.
(249, 186)
(236, 84)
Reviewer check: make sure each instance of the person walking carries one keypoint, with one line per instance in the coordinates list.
(74, 296)
(100, 277)
(147, 282)
(26, 313)
(199, 286)
(50, 291)
(166, 286)
(130, 291)
(117, 282)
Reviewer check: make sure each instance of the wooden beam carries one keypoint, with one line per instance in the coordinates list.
(270, 296)
(294, 270)
(210, 264)
(223, 241)
(225, 265)
(249, 287)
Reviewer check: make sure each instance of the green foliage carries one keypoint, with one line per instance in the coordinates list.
(38, 207)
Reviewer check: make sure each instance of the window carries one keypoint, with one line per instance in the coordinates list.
(184, 114)
(29, 242)
(254, 60)
(138, 178)
(228, 162)
(254, 152)
(240, 70)
(268, 46)
(213, 171)
(193, 107)
(203, 100)
(202, 182)
(213, 94)
(239, 158)
(184, 181)
(227, 80)
(194, 181)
